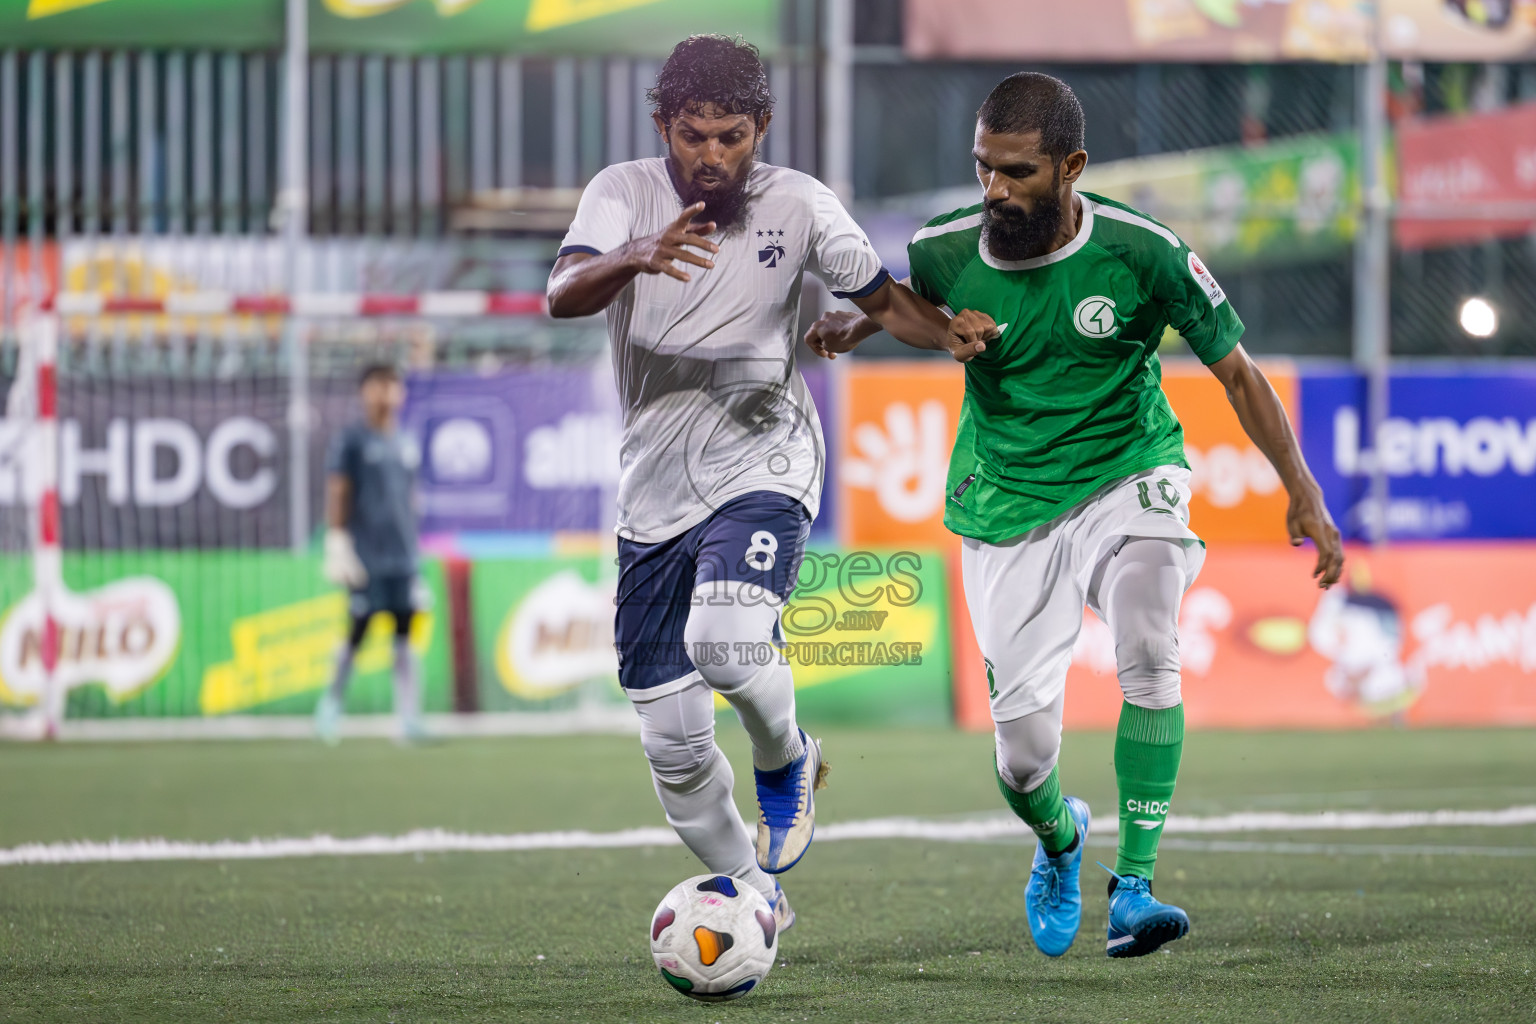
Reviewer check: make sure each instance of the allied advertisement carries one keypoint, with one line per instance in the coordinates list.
(1416, 634)
(1278, 202)
(1466, 179)
(1221, 30)
(403, 26)
(1458, 452)
(206, 633)
(866, 634)
(526, 450)
(531, 450)
(1237, 493)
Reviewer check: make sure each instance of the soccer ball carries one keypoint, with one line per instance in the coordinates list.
(714, 938)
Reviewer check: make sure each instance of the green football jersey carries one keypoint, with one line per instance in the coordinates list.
(1070, 397)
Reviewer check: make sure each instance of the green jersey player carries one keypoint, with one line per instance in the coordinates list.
(1068, 482)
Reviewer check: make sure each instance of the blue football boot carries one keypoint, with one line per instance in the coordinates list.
(1138, 924)
(786, 800)
(1053, 900)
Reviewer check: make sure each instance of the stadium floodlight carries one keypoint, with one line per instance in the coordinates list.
(1479, 318)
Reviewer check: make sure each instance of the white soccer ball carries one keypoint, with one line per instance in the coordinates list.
(714, 938)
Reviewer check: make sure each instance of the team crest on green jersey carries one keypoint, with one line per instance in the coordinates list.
(1095, 317)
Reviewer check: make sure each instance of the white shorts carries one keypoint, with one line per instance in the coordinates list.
(1026, 595)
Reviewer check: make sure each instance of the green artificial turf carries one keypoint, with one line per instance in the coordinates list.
(1400, 926)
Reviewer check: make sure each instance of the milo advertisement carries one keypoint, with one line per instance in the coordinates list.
(866, 633)
(179, 634)
(544, 633)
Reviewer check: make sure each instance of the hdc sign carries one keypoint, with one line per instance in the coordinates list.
(156, 462)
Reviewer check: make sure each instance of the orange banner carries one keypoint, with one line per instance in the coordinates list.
(1237, 493)
(1439, 634)
(900, 424)
(893, 452)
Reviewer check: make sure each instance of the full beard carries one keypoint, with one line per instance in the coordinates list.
(725, 204)
(1012, 234)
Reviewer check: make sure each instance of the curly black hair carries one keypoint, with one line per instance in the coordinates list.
(707, 70)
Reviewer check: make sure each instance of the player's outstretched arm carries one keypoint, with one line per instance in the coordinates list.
(1264, 420)
(909, 317)
(582, 284)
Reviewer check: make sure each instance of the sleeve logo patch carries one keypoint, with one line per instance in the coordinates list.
(1206, 280)
(1095, 317)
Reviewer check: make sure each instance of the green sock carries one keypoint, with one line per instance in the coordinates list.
(1147, 748)
(1042, 810)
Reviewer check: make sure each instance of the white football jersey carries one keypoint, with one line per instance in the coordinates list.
(713, 404)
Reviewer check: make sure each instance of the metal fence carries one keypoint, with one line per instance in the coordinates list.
(137, 173)
(914, 127)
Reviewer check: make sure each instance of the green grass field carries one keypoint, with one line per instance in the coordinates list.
(1407, 925)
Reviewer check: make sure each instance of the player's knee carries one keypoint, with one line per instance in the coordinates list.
(723, 640)
(1148, 666)
(677, 760)
(1025, 756)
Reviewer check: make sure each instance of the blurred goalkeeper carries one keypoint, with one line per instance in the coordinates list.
(370, 543)
(1068, 482)
(697, 258)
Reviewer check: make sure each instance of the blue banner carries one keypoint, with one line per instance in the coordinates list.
(1458, 450)
(518, 451)
(530, 450)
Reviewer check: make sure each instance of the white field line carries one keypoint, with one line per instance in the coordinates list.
(619, 719)
(973, 830)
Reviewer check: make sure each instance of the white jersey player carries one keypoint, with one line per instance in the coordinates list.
(697, 258)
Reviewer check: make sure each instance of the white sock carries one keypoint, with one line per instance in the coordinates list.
(407, 685)
(703, 813)
(694, 782)
(766, 709)
(1027, 747)
(736, 620)
(1140, 594)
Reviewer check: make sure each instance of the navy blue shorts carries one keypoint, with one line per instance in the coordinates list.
(756, 538)
(393, 594)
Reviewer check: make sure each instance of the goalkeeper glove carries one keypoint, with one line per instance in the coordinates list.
(342, 566)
